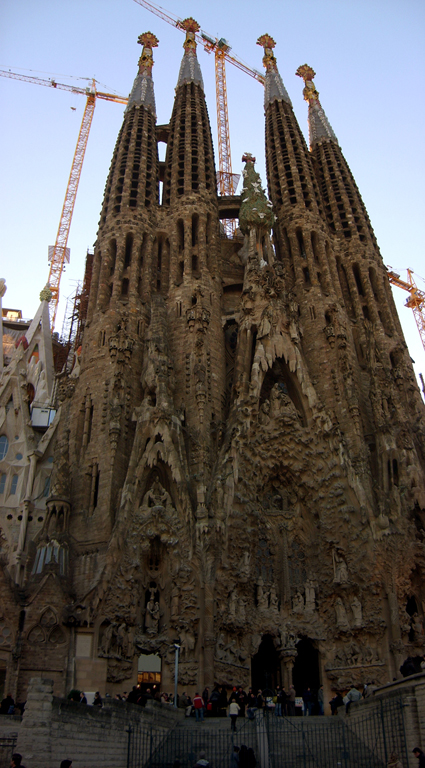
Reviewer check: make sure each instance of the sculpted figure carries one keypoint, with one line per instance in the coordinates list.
(152, 615)
(310, 596)
(341, 614)
(187, 642)
(417, 626)
(340, 568)
(263, 415)
(107, 639)
(233, 601)
(174, 604)
(262, 596)
(298, 603)
(356, 607)
(274, 600)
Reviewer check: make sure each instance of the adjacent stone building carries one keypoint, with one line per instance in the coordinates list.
(239, 462)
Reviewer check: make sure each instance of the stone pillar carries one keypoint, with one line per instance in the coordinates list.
(34, 738)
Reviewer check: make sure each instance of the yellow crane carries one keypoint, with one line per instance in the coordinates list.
(227, 181)
(59, 253)
(416, 300)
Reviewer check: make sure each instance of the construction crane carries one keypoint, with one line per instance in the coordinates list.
(59, 253)
(227, 181)
(416, 300)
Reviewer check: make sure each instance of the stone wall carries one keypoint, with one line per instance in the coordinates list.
(54, 729)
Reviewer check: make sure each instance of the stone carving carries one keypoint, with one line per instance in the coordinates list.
(262, 596)
(341, 614)
(187, 643)
(175, 600)
(310, 597)
(340, 568)
(356, 608)
(116, 641)
(152, 614)
(298, 603)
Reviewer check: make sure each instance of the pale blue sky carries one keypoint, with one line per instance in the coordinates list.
(369, 58)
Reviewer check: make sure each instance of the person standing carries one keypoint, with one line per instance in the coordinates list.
(291, 701)
(308, 701)
(320, 700)
(198, 705)
(234, 709)
(234, 757)
(83, 699)
(97, 701)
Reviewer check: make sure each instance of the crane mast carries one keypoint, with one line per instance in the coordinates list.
(59, 249)
(58, 252)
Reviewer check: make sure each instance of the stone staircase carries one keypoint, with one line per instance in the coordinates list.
(299, 742)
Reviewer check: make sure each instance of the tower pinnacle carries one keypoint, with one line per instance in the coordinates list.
(142, 93)
(190, 71)
(274, 89)
(149, 41)
(319, 126)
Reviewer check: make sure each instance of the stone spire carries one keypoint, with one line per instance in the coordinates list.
(274, 89)
(190, 71)
(318, 123)
(189, 162)
(142, 93)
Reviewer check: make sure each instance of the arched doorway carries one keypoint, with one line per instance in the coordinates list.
(265, 665)
(149, 672)
(305, 673)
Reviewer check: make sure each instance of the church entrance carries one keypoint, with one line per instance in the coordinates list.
(305, 673)
(149, 672)
(265, 666)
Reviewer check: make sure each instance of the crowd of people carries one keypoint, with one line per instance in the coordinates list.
(241, 703)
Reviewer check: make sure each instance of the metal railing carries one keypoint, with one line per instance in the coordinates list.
(7, 747)
(359, 740)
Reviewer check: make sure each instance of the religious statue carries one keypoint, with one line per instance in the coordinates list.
(356, 608)
(341, 614)
(298, 602)
(310, 596)
(274, 601)
(262, 596)
(340, 568)
(152, 615)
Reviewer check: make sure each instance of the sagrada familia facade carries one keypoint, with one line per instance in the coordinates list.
(240, 445)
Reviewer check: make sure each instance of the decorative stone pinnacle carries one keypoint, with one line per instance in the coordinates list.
(269, 61)
(46, 294)
(248, 158)
(149, 41)
(191, 27)
(307, 73)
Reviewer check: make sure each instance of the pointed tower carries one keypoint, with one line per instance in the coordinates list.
(190, 215)
(100, 409)
(363, 282)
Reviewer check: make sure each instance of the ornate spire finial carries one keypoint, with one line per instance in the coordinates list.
(307, 73)
(318, 123)
(191, 27)
(269, 61)
(248, 158)
(46, 294)
(149, 41)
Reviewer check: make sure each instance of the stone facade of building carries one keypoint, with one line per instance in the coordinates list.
(240, 455)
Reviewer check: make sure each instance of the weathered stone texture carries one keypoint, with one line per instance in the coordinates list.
(240, 458)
